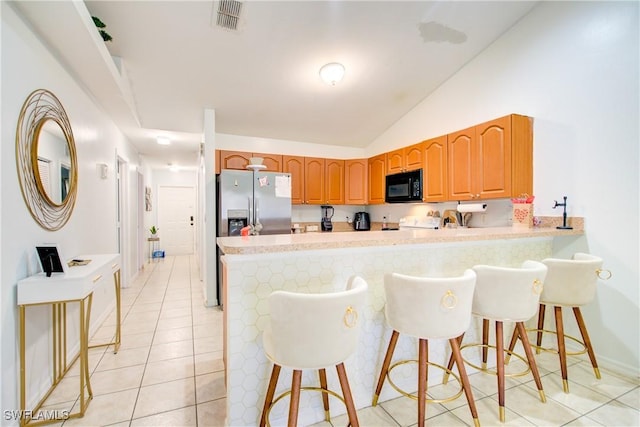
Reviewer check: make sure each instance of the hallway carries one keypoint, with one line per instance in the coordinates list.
(169, 368)
(169, 372)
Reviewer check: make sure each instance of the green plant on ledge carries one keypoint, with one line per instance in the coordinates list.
(154, 230)
(98, 23)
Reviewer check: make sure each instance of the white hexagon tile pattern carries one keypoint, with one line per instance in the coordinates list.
(252, 278)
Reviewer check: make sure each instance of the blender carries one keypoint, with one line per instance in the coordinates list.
(327, 214)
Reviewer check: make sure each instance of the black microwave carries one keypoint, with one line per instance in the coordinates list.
(404, 187)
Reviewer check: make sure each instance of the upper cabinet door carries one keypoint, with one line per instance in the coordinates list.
(295, 166)
(521, 155)
(234, 159)
(463, 159)
(334, 178)
(377, 169)
(273, 162)
(355, 182)
(435, 170)
(395, 161)
(413, 157)
(493, 179)
(314, 185)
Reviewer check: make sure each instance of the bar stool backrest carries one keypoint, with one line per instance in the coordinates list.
(313, 331)
(429, 307)
(571, 282)
(508, 294)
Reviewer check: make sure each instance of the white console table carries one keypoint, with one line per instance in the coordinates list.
(74, 286)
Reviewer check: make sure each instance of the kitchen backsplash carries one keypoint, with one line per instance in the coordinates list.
(498, 213)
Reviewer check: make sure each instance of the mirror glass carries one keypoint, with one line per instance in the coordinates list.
(53, 171)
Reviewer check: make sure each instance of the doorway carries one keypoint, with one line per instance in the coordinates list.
(176, 218)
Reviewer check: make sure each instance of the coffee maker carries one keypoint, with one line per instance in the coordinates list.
(327, 214)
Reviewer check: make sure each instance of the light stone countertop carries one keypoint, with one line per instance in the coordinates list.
(313, 241)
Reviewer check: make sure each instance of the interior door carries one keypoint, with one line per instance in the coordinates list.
(176, 210)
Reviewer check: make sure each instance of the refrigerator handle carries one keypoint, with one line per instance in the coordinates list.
(250, 219)
(257, 225)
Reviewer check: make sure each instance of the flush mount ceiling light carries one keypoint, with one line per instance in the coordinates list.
(332, 73)
(163, 140)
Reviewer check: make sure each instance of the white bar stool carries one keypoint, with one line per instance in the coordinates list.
(570, 283)
(507, 295)
(313, 331)
(428, 308)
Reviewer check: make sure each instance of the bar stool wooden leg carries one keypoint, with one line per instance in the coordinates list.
(512, 344)
(295, 398)
(385, 365)
(540, 327)
(325, 396)
(422, 381)
(271, 390)
(445, 378)
(500, 367)
(562, 350)
(531, 359)
(455, 354)
(587, 341)
(426, 365)
(348, 398)
(485, 342)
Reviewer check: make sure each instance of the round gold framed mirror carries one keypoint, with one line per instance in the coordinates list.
(46, 160)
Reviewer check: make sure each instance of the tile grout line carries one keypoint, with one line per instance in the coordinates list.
(135, 403)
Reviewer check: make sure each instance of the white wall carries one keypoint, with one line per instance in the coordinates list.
(280, 146)
(574, 67)
(207, 178)
(27, 65)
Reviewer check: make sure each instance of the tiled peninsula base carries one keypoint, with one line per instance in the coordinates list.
(251, 278)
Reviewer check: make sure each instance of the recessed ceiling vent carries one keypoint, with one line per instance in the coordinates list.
(228, 14)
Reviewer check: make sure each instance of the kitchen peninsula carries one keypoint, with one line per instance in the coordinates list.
(255, 266)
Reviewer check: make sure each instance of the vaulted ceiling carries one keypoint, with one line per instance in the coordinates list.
(262, 78)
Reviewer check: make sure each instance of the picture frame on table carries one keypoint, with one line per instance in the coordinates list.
(51, 260)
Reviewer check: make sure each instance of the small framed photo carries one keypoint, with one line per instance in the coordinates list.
(51, 259)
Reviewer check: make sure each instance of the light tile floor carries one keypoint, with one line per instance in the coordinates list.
(169, 372)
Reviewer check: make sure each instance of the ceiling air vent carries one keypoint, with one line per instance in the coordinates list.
(228, 14)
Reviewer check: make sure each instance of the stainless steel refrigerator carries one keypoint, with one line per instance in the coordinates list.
(258, 199)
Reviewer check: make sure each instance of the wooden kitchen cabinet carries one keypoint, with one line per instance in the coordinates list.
(324, 181)
(295, 166)
(491, 160)
(240, 159)
(314, 182)
(355, 182)
(334, 181)
(234, 159)
(405, 159)
(434, 187)
(376, 178)
(395, 161)
(217, 162)
(273, 162)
